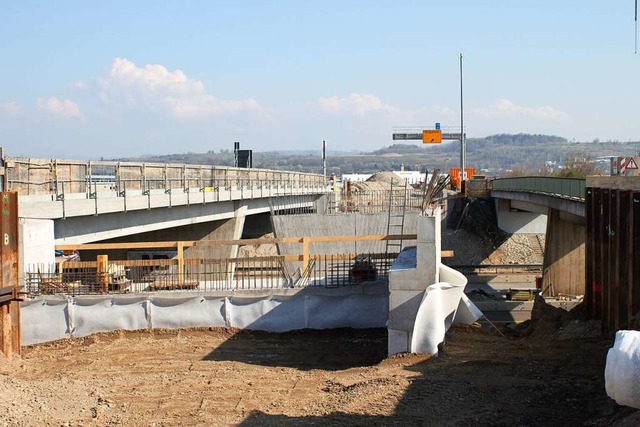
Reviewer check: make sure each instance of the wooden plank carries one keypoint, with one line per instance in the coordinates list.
(102, 275)
(189, 243)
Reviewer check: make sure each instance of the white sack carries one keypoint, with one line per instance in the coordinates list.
(622, 371)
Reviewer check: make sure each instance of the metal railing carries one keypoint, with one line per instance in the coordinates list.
(568, 188)
(209, 273)
(60, 178)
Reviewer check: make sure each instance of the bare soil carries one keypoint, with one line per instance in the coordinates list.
(337, 377)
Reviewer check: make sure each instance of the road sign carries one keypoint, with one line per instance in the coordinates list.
(431, 136)
(631, 164)
(437, 125)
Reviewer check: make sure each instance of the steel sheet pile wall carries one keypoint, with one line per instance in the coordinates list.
(9, 281)
(613, 251)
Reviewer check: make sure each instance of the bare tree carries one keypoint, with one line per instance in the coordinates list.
(578, 165)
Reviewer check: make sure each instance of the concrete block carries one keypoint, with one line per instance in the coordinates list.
(426, 229)
(403, 307)
(428, 259)
(407, 280)
(375, 288)
(36, 246)
(405, 260)
(398, 341)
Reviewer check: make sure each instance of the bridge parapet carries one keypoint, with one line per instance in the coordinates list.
(53, 188)
(54, 177)
(566, 188)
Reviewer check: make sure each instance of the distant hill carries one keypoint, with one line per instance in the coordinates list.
(493, 154)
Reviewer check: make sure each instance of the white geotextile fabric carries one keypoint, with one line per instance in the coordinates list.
(44, 320)
(622, 371)
(52, 318)
(442, 304)
(173, 313)
(273, 314)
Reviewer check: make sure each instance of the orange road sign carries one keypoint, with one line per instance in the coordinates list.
(431, 136)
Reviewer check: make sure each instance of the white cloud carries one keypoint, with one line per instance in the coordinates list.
(12, 107)
(78, 85)
(154, 87)
(360, 107)
(63, 108)
(355, 103)
(504, 108)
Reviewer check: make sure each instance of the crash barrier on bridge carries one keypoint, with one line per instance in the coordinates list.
(61, 179)
(443, 304)
(622, 371)
(164, 266)
(50, 318)
(571, 188)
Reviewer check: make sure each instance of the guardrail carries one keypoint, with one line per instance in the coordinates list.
(58, 178)
(569, 188)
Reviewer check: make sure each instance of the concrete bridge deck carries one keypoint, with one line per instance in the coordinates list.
(60, 189)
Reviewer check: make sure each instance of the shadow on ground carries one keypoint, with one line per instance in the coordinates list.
(325, 349)
(480, 379)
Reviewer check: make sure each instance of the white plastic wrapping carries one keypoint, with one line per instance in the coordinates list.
(622, 371)
(442, 304)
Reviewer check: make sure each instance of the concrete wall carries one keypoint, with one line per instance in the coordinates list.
(51, 318)
(564, 257)
(521, 217)
(352, 224)
(35, 242)
(413, 271)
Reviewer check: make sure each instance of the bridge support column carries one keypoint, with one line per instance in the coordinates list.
(564, 257)
(237, 223)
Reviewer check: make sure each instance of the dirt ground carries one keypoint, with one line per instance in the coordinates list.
(338, 377)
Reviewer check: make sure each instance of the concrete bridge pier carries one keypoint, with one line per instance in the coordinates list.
(564, 255)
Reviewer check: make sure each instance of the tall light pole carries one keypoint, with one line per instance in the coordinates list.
(463, 143)
(324, 160)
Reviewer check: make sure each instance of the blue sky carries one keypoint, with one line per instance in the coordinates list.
(89, 79)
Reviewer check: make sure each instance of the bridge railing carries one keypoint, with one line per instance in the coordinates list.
(166, 266)
(570, 188)
(57, 178)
